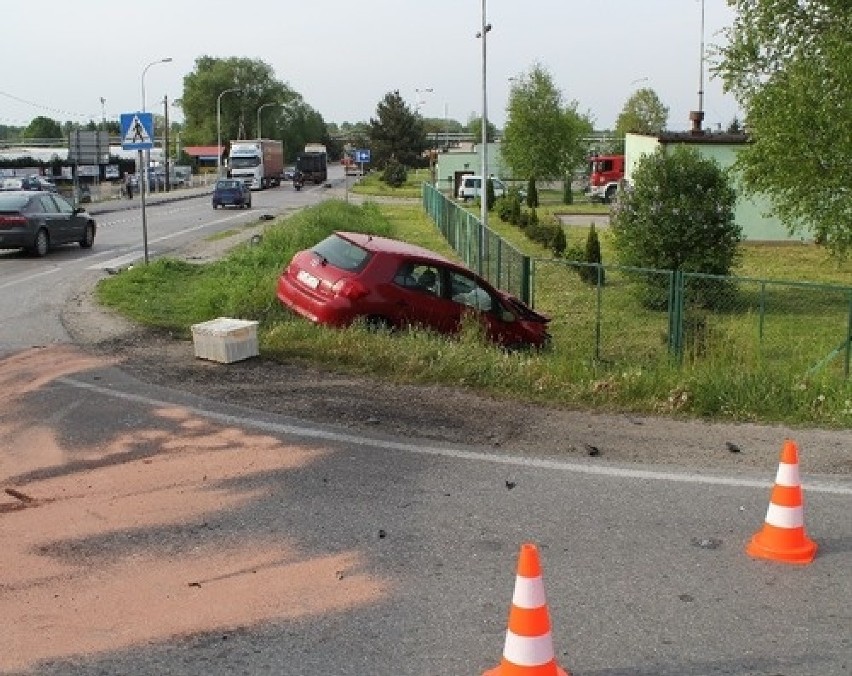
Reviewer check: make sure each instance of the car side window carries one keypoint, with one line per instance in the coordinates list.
(467, 291)
(64, 206)
(47, 205)
(418, 277)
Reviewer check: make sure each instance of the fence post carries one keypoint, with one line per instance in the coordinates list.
(526, 280)
(676, 313)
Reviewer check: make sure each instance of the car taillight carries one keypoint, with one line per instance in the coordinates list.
(349, 288)
(12, 221)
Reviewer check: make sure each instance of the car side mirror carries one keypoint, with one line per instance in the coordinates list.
(78, 210)
(507, 316)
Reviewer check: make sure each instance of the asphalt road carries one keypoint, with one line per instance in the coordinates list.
(385, 556)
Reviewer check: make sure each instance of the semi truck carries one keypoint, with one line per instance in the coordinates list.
(313, 163)
(605, 172)
(257, 163)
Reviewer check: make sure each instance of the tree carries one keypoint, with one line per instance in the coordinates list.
(396, 132)
(543, 139)
(643, 113)
(293, 122)
(474, 127)
(790, 66)
(678, 215)
(43, 128)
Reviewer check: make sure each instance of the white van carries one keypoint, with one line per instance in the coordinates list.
(470, 187)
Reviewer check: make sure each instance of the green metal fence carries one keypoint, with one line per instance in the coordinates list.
(634, 316)
(479, 247)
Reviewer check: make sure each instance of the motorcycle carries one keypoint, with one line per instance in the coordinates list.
(298, 181)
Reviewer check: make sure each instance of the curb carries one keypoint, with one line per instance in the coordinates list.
(97, 209)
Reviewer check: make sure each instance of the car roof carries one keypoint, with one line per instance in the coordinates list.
(374, 243)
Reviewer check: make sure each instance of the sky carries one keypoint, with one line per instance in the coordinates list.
(344, 56)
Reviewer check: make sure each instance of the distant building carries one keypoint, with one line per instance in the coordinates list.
(752, 211)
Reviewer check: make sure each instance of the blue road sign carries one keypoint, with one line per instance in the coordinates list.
(137, 131)
(362, 156)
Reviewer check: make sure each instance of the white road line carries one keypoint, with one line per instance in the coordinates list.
(23, 280)
(458, 454)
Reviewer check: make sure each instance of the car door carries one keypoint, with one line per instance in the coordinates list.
(44, 209)
(420, 298)
(71, 224)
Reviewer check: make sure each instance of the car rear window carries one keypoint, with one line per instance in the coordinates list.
(342, 253)
(226, 185)
(13, 202)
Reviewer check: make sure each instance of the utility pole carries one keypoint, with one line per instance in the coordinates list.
(166, 142)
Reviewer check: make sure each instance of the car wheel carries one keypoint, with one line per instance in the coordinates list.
(248, 205)
(378, 323)
(88, 237)
(42, 243)
(610, 193)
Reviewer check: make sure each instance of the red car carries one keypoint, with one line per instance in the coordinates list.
(387, 283)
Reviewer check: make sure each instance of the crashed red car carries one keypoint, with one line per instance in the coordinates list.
(387, 283)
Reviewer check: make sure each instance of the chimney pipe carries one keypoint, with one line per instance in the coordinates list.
(696, 117)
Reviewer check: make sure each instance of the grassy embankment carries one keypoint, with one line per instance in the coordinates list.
(172, 295)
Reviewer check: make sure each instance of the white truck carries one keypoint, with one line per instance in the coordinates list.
(257, 163)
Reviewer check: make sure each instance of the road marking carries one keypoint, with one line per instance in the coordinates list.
(837, 488)
(29, 277)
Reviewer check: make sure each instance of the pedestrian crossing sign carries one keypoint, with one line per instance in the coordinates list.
(137, 131)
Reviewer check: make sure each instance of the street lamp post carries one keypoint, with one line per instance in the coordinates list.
(143, 170)
(483, 195)
(219, 129)
(262, 106)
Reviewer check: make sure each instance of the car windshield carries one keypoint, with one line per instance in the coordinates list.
(341, 253)
(244, 162)
(12, 202)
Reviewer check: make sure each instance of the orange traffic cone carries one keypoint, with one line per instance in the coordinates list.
(783, 537)
(529, 646)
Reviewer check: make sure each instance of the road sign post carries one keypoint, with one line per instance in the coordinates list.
(137, 133)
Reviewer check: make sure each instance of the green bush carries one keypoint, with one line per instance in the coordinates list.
(532, 194)
(678, 216)
(558, 243)
(592, 274)
(567, 193)
(395, 174)
(489, 194)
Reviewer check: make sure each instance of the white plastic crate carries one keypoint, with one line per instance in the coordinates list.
(225, 340)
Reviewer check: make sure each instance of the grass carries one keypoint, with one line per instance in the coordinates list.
(635, 374)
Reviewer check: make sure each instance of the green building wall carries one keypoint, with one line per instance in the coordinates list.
(752, 211)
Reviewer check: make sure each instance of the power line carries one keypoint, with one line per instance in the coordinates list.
(88, 116)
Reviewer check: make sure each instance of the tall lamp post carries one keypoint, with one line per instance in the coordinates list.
(143, 171)
(483, 195)
(262, 106)
(219, 129)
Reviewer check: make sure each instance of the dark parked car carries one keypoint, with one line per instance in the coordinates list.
(38, 220)
(231, 191)
(388, 283)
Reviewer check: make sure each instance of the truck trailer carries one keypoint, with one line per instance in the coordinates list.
(257, 163)
(313, 163)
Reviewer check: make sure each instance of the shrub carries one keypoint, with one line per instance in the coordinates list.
(395, 174)
(558, 242)
(567, 193)
(592, 254)
(489, 194)
(532, 194)
(678, 215)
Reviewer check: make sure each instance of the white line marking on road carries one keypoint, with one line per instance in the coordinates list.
(29, 277)
(458, 454)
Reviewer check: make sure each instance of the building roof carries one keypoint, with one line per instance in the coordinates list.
(202, 152)
(704, 137)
